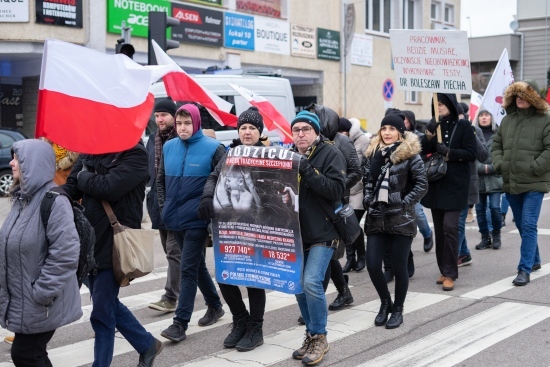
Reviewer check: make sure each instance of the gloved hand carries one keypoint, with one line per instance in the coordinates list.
(305, 166)
(442, 149)
(206, 208)
(432, 126)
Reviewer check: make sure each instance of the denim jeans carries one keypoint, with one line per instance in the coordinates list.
(422, 221)
(462, 242)
(313, 302)
(193, 273)
(526, 210)
(504, 205)
(494, 209)
(107, 314)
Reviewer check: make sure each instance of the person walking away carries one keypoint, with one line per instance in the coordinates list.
(322, 183)
(186, 163)
(521, 154)
(394, 181)
(447, 196)
(37, 263)
(164, 112)
(490, 188)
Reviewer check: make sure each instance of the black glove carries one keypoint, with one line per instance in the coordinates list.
(432, 126)
(305, 166)
(442, 149)
(206, 208)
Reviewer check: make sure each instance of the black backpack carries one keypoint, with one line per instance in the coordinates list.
(86, 233)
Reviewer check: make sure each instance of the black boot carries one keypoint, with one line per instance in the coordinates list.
(496, 240)
(254, 336)
(385, 309)
(350, 263)
(396, 318)
(361, 263)
(238, 330)
(429, 243)
(344, 298)
(485, 241)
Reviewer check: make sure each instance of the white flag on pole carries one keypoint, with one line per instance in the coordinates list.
(494, 94)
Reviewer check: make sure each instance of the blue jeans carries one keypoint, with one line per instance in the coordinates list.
(494, 209)
(462, 243)
(504, 205)
(526, 210)
(193, 273)
(313, 302)
(107, 314)
(422, 221)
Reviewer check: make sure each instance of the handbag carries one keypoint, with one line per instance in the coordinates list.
(133, 250)
(346, 224)
(436, 165)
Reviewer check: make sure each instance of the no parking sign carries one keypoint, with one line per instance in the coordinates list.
(387, 90)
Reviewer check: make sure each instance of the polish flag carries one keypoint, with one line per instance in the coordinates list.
(273, 119)
(475, 103)
(181, 87)
(494, 94)
(90, 102)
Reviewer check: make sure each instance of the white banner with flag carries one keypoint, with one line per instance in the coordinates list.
(475, 103)
(494, 94)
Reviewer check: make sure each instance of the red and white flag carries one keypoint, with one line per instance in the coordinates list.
(181, 87)
(273, 119)
(90, 102)
(475, 103)
(494, 94)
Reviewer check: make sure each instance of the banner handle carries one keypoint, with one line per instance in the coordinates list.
(436, 111)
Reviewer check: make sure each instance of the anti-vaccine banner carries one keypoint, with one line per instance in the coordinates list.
(431, 60)
(256, 230)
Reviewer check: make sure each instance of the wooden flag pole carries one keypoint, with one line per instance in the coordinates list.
(436, 111)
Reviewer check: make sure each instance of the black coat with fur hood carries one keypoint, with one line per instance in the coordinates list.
(407, 185)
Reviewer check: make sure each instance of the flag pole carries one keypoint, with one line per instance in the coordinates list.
(436, 111)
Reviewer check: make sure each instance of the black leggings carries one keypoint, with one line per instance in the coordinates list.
(29, 350)
(234, 299)
(376, 247)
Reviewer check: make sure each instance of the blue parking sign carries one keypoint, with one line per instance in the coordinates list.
(239, 31)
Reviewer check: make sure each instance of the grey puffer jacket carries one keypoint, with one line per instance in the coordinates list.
(38, 286)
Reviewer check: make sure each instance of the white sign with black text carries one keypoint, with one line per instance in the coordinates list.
(271, 35)
(14, 11)
(361, 50)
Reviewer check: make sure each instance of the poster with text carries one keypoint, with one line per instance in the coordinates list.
(198, 25)
(135, 13)
(256, 230)
(361, 50)
(14, 11)
(435, 61)
(271, 35)
(238, 31)
(328, 44)
(66, 13)
(302, 40)
(270, 8)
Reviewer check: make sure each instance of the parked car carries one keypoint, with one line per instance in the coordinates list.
(8, 136)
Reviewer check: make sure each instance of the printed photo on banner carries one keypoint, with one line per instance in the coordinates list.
(256, 231)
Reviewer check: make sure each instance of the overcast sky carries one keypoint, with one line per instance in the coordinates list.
(487, 17)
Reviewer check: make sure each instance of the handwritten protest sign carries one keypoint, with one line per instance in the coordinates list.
(431, 60)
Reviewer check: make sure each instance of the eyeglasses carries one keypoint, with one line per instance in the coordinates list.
(305, 130)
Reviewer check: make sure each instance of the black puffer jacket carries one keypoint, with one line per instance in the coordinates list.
(407, 185)
(353, 167)
(120, 179)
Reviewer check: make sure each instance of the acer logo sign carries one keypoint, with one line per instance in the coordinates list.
(187, 16)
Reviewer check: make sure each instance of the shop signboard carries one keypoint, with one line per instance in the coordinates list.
(208, 2)
(198, 25)
(271, 35)
(68, 13)
(135, 13)
(11, 106)
(302, 40)
(14, 11)
(239, 31)
(269, 8)
(328, 44)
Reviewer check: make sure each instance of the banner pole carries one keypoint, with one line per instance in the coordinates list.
(436, 111)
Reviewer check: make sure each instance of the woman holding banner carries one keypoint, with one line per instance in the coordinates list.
(395, 181)
(246, 333)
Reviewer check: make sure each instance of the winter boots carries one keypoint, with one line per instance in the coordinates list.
(485, 241)
(344, 297)
(496, 240)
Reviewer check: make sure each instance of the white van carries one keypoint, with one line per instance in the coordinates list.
(275, 89)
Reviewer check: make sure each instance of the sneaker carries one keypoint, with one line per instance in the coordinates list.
(301, 352)
(211, 316)
(146, 359)
(9, 339)
(175, 332)
(448, 284)
(318, 346)
(440, 280)
(464, 260)
(238, 329)
(163, 306)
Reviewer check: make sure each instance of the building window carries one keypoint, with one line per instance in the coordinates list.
(378, 15)
(435, 10)
(412, 97)
(409, 14)
(449, 14)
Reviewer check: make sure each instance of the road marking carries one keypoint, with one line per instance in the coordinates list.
(542, 231)
(460, 341)
(149, 277)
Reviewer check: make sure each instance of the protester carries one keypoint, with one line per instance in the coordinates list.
(322, 183)
(185, 165)
(447, 196)
(490, 188)
(247, 328)
(521, 154)
(120, 179)
(395, 180)
(355, 252)
(37, 264)
(164, 112)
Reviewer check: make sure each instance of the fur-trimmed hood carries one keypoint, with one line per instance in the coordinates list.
(408, 148)
(528, 93)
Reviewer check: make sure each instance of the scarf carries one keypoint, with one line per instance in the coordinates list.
(162, 137)
(380, 172)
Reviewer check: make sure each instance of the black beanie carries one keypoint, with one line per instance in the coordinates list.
(395, 120)
(252, 117)
(166, 105)
(344, 125)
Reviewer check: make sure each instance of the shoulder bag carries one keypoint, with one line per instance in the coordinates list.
(346, 224)
(436, 165)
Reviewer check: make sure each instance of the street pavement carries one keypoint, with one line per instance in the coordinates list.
(485, 321)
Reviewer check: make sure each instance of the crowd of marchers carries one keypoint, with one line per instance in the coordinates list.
(382, 176)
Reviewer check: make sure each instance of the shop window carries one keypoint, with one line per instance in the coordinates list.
(378, 15)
